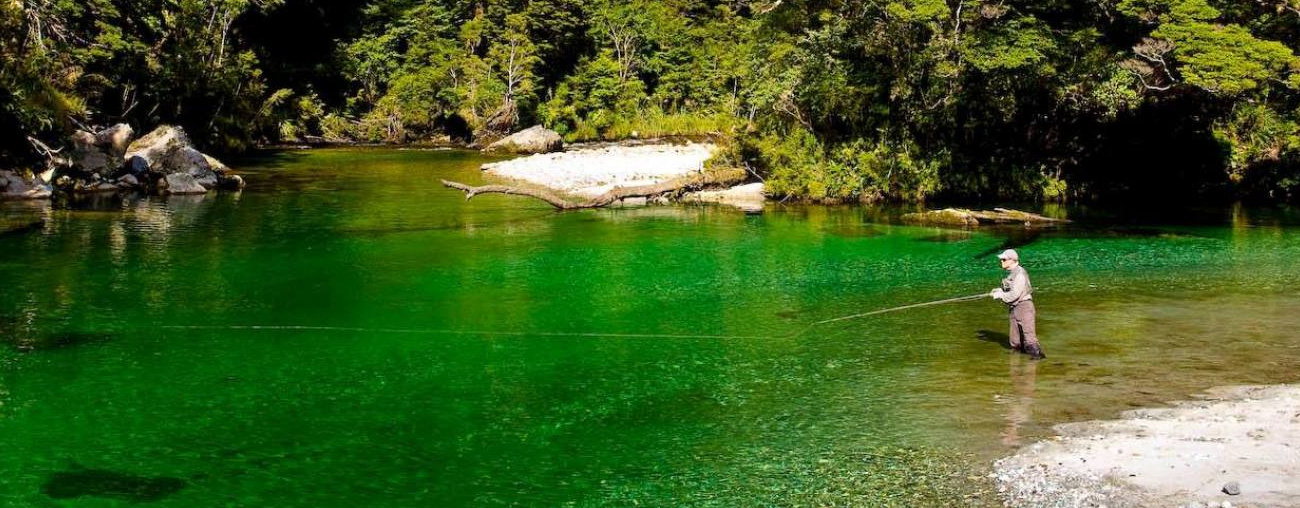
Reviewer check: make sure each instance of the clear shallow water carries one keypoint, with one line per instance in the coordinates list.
(124, 382)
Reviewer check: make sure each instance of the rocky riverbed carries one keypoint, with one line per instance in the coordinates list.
(1234, 446)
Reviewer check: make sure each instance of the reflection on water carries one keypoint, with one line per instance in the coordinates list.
(1019, 403)
(355, 242)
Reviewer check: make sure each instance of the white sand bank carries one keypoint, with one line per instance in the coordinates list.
(1183, 455)
(592, 171)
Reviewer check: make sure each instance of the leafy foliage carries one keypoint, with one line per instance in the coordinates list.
(826, 99)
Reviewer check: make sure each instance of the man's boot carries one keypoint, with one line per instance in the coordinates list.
(1035, 352)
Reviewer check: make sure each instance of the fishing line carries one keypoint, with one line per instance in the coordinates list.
(462, 332)
(567, 334)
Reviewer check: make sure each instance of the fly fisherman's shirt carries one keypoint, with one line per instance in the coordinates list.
(1016, 288)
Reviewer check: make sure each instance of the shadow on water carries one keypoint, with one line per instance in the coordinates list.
(1015, 239)
(1018, 238)
(948, 237)
(788, 314)
(57, 341)
(1000, 339)
(853, 230)
(21, 228)
(110, 484)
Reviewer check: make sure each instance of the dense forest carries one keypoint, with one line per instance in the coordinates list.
(824, 99)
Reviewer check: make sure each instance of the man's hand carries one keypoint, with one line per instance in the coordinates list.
(996, 294)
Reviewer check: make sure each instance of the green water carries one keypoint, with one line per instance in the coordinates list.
(130, 374)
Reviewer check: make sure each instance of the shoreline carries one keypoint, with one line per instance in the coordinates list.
(1233, 444)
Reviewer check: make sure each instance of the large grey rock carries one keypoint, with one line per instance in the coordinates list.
(87, 156)
(167, 151)
(154, 147)
(100, 152)
(115, 140)
(192, 162)
(180, 183)
(535, 139)
(16, 186)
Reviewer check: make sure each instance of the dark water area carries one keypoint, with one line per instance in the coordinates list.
(346, 332)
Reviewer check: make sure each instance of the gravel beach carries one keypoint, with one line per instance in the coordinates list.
(1233, 446)
(591, 171)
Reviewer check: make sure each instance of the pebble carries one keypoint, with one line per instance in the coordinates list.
(1231, 489)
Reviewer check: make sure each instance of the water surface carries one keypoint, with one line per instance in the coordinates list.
(345, 332)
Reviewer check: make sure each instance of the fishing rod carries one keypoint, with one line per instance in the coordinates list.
(570, 334)
(905, 307)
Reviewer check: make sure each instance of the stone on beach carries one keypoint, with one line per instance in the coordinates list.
(535, 139)
(748, 197)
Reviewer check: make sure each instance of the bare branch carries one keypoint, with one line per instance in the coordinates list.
(697, 181)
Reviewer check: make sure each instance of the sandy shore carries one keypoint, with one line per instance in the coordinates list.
(1185, 455)
(591, 171)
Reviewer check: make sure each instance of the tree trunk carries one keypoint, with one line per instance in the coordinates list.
(694, 182)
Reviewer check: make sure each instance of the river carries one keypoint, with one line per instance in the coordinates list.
(346, 332)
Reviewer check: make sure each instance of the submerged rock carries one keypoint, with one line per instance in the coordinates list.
(535, 139)
(961, 217)
(231, 182)
(111, 485)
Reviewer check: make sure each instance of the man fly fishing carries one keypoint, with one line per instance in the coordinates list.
(1017, 293)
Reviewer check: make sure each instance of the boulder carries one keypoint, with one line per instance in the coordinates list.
(128, 182)
(749, 197)
(192, 162)
(180, 183)
(535, 139)
(231, 182)
(100, 152)
(88, 157)
(115, 140)
(137, 165)
(215, 164)
(154, 147)
(167, 151)
(16, 186)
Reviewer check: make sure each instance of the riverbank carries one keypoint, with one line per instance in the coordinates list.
(1233, 445)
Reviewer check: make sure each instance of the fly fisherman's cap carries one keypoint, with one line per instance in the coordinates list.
(1009, 254)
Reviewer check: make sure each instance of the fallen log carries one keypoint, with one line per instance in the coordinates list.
(965, 217)
(693, 182)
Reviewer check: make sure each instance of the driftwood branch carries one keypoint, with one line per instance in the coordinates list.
(694, 182)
